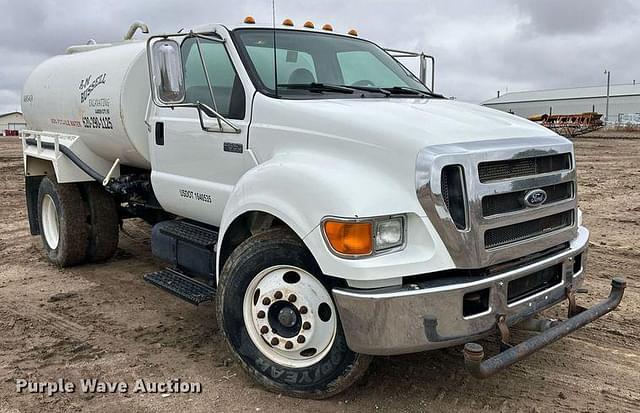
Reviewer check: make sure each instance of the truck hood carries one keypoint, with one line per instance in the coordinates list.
(394, 123)
(373, 142)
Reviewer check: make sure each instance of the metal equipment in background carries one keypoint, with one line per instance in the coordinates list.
(571, 126)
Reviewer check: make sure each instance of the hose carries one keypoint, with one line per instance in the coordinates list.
(71, 156)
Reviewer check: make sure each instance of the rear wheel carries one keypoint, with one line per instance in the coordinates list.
(277, 315)
(63, 225)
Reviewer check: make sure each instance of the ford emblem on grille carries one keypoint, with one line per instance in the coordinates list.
(535, 197)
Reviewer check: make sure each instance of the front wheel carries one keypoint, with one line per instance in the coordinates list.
(277, 315)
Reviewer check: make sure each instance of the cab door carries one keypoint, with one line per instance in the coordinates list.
(195, 171)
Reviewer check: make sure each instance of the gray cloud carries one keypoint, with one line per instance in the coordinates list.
(481, 47)
(586, 16)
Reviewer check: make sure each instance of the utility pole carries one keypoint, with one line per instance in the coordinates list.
(606, 114)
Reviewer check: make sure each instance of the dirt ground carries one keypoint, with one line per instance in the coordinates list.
(103, 321)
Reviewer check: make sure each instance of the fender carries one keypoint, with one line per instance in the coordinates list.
(301, 189)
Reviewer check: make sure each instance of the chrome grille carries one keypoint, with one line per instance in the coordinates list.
(498, 174)
(513, 168)
(524, 230)
(514, 201)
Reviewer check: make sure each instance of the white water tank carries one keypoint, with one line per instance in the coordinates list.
(98, 92)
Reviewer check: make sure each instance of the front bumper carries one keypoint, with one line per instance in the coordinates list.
(429, 315)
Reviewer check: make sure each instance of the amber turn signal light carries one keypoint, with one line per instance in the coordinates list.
(350, 238)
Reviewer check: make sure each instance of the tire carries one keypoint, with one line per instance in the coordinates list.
(63, 223)
(103, 223)
(260, 260)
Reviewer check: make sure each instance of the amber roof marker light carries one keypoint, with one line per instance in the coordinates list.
(287, 22)
(309, 24)
(353, 32)
(249, 20)
(327, 27)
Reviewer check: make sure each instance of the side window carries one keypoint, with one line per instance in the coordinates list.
(227, 88)
(361, 67)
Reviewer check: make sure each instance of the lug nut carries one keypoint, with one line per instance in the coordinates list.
(264, 329)
(266, 301)
(278, 295)
(301, 339)
(261, 314)
(288, 345)
(292, 298)
(275, 341)
(306, 325)
(303, 310)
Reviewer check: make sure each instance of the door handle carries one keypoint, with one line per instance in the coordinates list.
(160, 133)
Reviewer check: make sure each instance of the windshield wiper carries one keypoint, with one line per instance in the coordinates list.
(317, 87)
(412, 91)
(373, 89)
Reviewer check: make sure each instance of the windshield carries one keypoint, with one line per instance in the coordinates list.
(312, 64)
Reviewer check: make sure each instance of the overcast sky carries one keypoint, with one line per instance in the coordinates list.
(480, 46)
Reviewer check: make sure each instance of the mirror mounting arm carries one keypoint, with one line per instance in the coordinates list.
(206, 75)
(221, 119)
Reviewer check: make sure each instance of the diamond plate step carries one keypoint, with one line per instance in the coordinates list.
(188, 232)
(181, 286)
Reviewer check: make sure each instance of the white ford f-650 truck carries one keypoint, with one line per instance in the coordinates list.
(332, 205)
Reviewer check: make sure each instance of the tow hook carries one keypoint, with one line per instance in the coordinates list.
(574, 308)
(505, 334)
(474, 353)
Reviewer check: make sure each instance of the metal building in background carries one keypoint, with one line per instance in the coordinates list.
(11, 123)
(624, 102)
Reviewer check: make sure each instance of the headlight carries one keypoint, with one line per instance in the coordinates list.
(364, 237)
(389, 234)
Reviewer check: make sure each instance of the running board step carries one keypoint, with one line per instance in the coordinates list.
(182, 286)
(189, 232)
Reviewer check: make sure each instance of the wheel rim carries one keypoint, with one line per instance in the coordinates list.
(290, 316)
(50, 224)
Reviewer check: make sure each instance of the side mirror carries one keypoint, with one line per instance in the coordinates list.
(168, 76)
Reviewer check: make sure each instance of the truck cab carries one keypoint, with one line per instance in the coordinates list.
(331, 203)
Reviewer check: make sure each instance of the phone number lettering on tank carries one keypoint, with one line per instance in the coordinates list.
(97, 122)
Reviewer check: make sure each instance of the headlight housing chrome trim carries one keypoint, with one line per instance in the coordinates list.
(375, 221)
